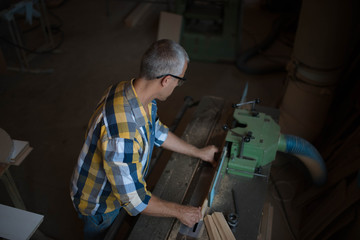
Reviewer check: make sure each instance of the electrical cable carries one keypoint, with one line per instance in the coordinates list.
(283, 208)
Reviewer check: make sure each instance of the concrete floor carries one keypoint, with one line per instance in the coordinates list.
(51, 111)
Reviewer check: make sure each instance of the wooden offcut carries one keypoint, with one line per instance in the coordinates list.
(222, 226)
(217, 227)
(204, 208)
(211, 228)
(265, 229)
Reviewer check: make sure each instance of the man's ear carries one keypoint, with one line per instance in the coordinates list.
(165, 81)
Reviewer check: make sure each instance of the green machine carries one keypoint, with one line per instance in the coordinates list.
(252, 143)
(210, 29)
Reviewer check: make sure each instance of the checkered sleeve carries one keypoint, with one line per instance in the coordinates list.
(161, 133)
(124, 171)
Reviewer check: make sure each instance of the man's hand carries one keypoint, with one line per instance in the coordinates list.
(189, 215)
(176, 144)
(207, 154)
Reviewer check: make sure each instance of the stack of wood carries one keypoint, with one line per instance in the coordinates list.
(217, 227)
(333, 209)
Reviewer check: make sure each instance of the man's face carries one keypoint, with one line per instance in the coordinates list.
(172, 84)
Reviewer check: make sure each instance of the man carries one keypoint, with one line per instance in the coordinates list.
(122, 133)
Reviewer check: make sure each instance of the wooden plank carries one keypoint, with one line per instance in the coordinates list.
(169, 26)
(222, 226)
(265, 229)
(337, 201)
(343, 166)
(324, 211)
(270, 221)
(204, 208)
(340, 222)
(177, 174)
(198, 190)
(334, 176)
(211, 228)
(349, 142)
(135, 15)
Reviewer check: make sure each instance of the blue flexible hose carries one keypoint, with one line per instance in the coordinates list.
(308, 154)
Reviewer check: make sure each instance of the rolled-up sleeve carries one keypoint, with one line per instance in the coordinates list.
(161, 133)
(124, 171)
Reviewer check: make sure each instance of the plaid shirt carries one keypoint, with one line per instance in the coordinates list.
(116, 155)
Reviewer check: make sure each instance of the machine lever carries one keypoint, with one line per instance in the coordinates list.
(245, 138)
(226, 128)
(253, 102)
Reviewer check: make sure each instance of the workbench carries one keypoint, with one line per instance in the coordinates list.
(187, 180)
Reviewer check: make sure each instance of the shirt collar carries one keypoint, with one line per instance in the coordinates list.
(136, 106)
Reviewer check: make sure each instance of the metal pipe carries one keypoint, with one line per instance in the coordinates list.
(321, 50)
(253, 102)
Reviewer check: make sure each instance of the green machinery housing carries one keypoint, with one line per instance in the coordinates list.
(210, 29)
(254, 142)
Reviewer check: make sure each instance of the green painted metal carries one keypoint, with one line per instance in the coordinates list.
(209, 32)
(282, 143)
(245, 157)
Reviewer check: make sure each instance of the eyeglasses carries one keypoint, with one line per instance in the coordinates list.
(181, 79)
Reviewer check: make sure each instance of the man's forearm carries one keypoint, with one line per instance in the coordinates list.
(188, 215)
(160, 208)
(176, 144)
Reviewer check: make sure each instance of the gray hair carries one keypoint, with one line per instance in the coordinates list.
(163, 57)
